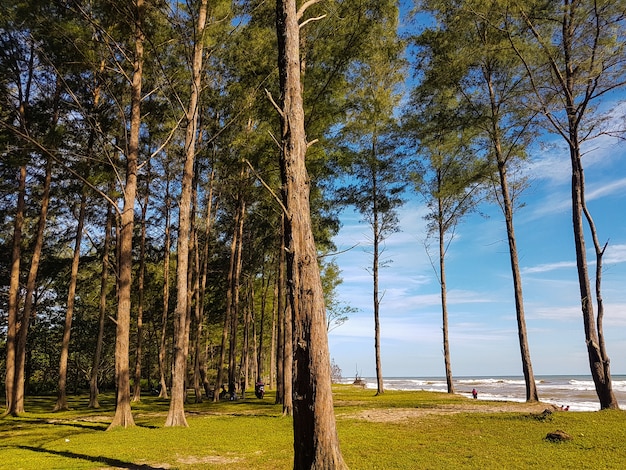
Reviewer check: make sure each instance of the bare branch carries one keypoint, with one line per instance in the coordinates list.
(304, 8)
(313, 142)
(267, 187)
(317, 18)
(269, 97)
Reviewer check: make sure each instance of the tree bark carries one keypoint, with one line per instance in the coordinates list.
(104, 276)
(444, 298)
(123, 416)
(316, 445)
(380, 389)
(166, 296)
(14, 287)
(176, 413)
(529, 378)
(61, 403)
(140, 289)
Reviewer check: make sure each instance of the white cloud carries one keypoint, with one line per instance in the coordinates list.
(615, 254)
(547, 267)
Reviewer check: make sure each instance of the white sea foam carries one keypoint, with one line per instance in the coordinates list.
(577, 392)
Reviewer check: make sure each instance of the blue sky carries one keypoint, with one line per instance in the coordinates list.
(482, 324)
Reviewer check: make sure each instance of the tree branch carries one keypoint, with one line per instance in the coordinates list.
(312, 19)
(304, 8)
(269, 97)
(267, 187)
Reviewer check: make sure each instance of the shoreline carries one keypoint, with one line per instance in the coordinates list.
(574, 391)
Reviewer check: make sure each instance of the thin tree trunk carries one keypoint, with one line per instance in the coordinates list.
(598, 360)
(31, 284)
(14, 287)
(529, 378)
(236, 281)
(444, 299)
(95, 367)
(199, 319)
(166, 296)
(205, 270)
(281, 321)
(375, 265)
(141, 289)
(61, 403)
(316, 445)
(14, 283)
(176, 413)
(123, 416)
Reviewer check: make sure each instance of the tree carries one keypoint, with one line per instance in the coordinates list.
(61, 403)
(123, 416)
(316, 443)
(470, 56)
(573, 56)
(375, 166)
(176, 414)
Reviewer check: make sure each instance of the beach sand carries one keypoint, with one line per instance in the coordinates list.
(384, 415)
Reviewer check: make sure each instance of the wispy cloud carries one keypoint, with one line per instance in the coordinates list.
(615, 254)
(547, 267)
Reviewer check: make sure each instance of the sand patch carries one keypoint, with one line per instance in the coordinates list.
(385, 415)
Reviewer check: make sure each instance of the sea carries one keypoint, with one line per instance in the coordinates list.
(574, 391)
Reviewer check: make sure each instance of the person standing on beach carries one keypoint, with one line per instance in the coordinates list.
(475, 393)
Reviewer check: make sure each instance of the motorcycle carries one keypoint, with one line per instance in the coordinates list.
(259, 390)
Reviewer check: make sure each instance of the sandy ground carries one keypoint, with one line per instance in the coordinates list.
(399, 414)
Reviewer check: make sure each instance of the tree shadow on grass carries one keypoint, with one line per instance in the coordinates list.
(116, 463)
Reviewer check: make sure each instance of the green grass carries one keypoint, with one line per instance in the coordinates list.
(252, 434)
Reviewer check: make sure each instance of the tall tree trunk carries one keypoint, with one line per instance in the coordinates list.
(166, 296)
(529, 378)
(123, 416)
(205, 269)
(375, 266)
(265, 283)
(104, 276)
(61, 403)
(316, 445)
(598, 359)
(31, 284)
(281, 321)
(140, 289)
(14, 288)
(234, 286)
(176, 413)
(198, 323)
(444, 298)
(14, 283)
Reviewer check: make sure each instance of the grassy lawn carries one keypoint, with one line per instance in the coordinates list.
(398, 430)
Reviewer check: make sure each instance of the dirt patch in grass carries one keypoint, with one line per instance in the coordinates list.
(385, 415)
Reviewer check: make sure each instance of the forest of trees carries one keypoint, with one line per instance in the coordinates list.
(160, 232)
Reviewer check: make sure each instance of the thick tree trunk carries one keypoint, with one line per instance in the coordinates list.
(316, 445)
(123, 416)
(61, 403)
(104, 276)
